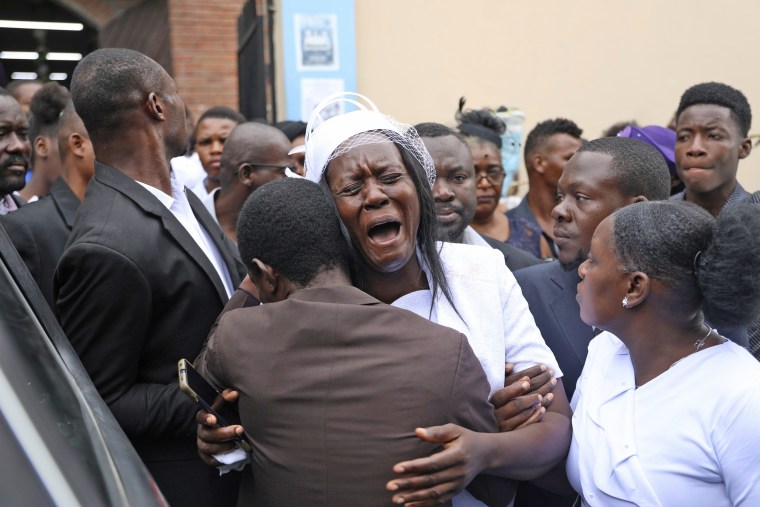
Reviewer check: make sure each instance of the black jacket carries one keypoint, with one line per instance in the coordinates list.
(135, 293)
(40, 230)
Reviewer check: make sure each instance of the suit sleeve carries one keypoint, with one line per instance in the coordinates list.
(207, 363)
(471, 409)
(104, 302)
(23, 240)
(525, 347)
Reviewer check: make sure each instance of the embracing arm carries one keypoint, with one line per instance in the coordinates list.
(523, 454)
(103, 302)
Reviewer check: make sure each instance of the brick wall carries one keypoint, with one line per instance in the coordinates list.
(204, 44)
(99, 13)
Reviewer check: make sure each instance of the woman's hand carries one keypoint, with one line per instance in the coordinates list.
(437, 478)
(525, 397)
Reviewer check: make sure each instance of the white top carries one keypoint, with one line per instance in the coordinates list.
(471, 237)
(494, 314)
(179, 206)
(689, 437)
(208, 202)
(189, 170)
(494, 317)
(199, 189)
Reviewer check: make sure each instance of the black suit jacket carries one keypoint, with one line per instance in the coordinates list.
(135, 293)
(513, 257)
(40, 230)
(550, 292)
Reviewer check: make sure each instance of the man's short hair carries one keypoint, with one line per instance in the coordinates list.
(432, 129)
(291, 225)
(110, 82)
(638, 167)
(222, 113)
(544, 130)
(719, 94)
(292, 129)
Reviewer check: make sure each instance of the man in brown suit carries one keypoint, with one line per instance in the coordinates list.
(332, 382)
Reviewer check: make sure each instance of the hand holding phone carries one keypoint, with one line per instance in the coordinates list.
(209, 399)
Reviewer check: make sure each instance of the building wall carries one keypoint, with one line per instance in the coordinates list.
(142, 28)
(594, 61)
(204, 44)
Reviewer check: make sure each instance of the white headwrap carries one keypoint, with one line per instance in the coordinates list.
(327, 139)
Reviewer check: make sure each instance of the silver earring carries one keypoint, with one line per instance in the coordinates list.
(625, 302)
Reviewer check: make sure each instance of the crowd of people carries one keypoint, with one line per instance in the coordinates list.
(388, 332)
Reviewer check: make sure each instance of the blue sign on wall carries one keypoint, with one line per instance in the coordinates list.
(320, 53)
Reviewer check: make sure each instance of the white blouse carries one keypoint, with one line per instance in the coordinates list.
(689, 437)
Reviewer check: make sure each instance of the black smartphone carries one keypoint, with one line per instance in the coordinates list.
(209, 399)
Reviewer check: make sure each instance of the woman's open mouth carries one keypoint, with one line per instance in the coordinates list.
(384, 232)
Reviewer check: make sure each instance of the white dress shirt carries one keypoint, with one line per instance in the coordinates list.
(179, 206)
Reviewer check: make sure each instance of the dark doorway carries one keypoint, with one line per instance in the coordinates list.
(256, 60)
(43, 42)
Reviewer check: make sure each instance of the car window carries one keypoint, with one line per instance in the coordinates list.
(43, 408)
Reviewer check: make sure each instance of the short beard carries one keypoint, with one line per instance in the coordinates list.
(575, 263)
(10, 181)
(449, 235)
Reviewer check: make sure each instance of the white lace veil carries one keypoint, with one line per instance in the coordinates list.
(329, 138)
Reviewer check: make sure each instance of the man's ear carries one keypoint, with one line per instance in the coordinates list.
(41, 146)
(245, 174)
(538, 163)
(639, 285)
(77, 144)
(155, 106)
(265, 278)
(638, 198)
(745, 148)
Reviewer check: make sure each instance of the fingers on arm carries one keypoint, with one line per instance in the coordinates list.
(515, 413)
(510, 392)
(531, 372)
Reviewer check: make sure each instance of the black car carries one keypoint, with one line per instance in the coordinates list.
(60, 443)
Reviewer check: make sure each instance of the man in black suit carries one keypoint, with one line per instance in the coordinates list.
(15, 149)
(456, 196)
(146, 270)
(603, 176)
(40, 230)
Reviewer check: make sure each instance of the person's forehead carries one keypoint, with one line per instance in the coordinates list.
(216, 125)
(588, 168)
(449, 148)
(704, 115)
(10, 110)
(561, 142)
(603, 231)
(28, 89)
(374, 154)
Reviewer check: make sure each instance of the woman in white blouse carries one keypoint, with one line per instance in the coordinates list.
(667, 411)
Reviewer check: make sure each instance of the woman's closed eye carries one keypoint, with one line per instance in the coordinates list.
(390, 178)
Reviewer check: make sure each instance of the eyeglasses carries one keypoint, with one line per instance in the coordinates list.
(279, 167)
(494, 176)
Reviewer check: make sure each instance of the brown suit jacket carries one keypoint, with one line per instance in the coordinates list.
(332, 385)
